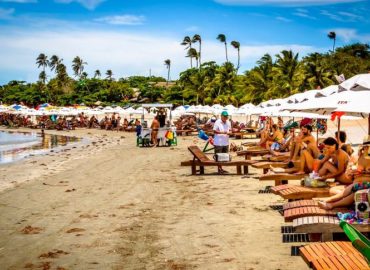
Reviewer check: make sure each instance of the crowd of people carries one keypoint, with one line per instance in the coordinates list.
(49, 122)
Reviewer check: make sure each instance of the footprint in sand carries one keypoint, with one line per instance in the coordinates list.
(74, 230)
(31, 230)
(55, 253)
(70, 190)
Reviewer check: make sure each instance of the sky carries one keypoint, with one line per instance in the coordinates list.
(134, 37)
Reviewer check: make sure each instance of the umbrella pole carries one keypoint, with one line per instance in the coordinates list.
(338, 130)
(368, 124)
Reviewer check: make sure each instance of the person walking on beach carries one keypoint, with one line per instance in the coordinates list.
(222, 129)
(155, 128)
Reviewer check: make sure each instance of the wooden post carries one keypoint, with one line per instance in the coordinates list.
(338, 130)
(202, 170)
(239, 170)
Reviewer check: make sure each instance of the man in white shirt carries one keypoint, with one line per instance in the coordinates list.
(222, 128)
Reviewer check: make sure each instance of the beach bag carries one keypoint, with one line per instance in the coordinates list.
(362, 205)
(222, 157)
(310, 181)
(169, 135)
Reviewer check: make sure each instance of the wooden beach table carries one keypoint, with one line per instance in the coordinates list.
(280, 178)
(249, 153)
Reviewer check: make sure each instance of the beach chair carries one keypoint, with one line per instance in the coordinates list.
(322, 227)
(307, 211)
(201, 160)
(249, 153)
(293, 192)
(333, 255)
(266, 165)
(280, 178)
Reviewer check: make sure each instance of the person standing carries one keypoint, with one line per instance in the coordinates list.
(154, 131)
(222, 128)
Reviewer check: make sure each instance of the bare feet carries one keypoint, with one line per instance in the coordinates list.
(325, 205)
(300, 173)
(276, 169)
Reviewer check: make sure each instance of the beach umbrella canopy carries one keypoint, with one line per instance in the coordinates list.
(360, 82)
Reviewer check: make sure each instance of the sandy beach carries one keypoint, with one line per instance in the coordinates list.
(110, 205)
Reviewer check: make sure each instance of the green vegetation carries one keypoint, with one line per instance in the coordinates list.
(206, 83)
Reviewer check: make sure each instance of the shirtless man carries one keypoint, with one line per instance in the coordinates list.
(155, 128)
(305, 140)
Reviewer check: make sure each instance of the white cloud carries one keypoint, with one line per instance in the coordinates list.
(122, 20)
(6, 13)
(124, 53)
(283, 19)
(350, 35)
(192, 28)
(342, 16)
(19, 1)
(285, 2)
(89, 4)
(304, 13)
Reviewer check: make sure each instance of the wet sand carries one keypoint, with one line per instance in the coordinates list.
(111, 205)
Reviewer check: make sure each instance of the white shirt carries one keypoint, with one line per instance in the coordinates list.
(221, 139)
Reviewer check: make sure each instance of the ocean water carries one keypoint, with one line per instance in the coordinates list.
(15, 146)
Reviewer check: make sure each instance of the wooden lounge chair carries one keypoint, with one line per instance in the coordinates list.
(292, 192)
(248, 154)
(306, 211)
(266, 165)
(323, 226)
(186, 132)
(280, 178)
(333, 255)
(300, 203)
(201, 160)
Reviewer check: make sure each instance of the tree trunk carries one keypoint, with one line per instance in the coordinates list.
(227, 58)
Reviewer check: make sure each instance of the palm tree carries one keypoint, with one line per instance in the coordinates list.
(187, 41)
(42, 77)
(109, 74)
(54, 62)
(222, 38)
(42, 61)
(192, 53)
(167, 63)
(333, 36)
(97, 73)
(236, 45)
(78, 66)
(198, 38)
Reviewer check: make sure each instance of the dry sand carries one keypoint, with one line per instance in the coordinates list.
(111, 205)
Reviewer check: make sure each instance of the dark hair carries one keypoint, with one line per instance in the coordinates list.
(274, 126)
(309, 127)
(342, 136)
(331, 141)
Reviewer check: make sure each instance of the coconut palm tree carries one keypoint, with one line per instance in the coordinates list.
(192, 53)
(222, 38)
(198, 38)
(109, 74)
(42, 77)
(187, 41)
(54, 62)
(236, 45)
(97, 74)
(333, 36)
(167, 63)
(78, 66)
(42, 61)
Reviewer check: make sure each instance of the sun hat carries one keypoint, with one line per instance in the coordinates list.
(225, 113)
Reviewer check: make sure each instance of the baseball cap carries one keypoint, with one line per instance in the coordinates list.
(225, 113)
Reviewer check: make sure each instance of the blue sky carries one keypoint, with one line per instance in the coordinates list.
(131, 37)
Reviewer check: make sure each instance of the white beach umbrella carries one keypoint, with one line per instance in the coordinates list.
(358, 82)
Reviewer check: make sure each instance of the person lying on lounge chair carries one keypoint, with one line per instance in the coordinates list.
(344, 198)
